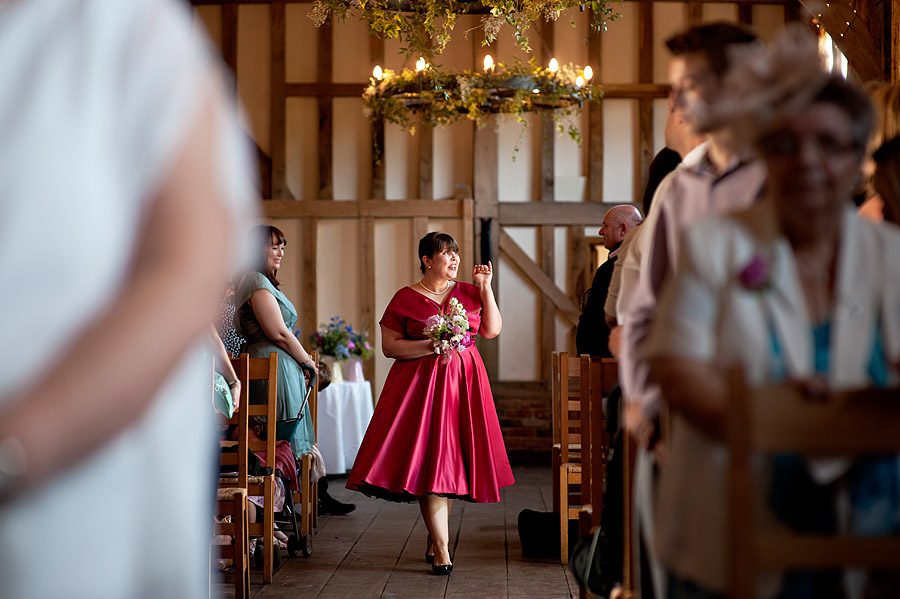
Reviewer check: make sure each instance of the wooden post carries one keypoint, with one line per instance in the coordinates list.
(326, 114)
(277, 120)
(645, 105)
(546, 234)
(376, 52)
(895, 42)
(229, 37)
(367, 265)
(310, 310)
(426, 160)
(695, 13)
(745, 14)
(595, 124)
(486, 206)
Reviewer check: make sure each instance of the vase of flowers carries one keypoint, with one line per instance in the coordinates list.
(332, 340)
(360, 349)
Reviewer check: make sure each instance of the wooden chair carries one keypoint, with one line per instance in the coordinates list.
(233, 503)
(772, 420)
(308, 497)
(572, 402)
(258, 369)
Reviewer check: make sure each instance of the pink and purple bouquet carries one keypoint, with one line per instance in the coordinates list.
(449, 330)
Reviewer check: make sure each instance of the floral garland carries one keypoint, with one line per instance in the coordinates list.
(442, 98)
(425, 26)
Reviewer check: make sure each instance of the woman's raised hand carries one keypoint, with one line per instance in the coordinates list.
(483, 274)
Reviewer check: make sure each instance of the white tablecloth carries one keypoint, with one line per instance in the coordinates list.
(344, 413)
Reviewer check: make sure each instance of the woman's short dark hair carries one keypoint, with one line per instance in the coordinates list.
(435, 243)
(262, 238)
(712, 41)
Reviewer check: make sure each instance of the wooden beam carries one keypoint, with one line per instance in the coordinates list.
(485, 169)
(538, 278)
(595, 123)
(309, 312)
(895, 43)
(863, 51)
(635, 90)
(419, 229)
(325, 88)
(365, 209)
(367, 285)
(644, 146)
(745, 14)
(229, 37)
(579, 264)
(426, 160)
(467, 260)
(326, 114)
(278, 117)
(376, 55)
(558, 213)
(695, 13)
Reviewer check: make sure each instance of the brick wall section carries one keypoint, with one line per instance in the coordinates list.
(525, 416)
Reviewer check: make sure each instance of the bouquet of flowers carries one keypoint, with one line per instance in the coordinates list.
(360, 346)
(333, 339)
(449, 330)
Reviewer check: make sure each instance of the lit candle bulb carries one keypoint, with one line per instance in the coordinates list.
(421, 64)
(579, 81)
(554, 65)
(588, 73)
(488, 64)
(377, 72)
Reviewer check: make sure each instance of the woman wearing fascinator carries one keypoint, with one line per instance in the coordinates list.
(797, 287)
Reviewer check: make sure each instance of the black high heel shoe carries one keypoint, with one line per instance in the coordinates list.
(429, 557)
(442, 570)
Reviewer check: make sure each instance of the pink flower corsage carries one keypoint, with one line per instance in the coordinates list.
(756, 274)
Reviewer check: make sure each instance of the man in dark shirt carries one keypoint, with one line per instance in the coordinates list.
(592, 336)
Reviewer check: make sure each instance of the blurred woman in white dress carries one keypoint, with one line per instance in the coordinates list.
(122, 186)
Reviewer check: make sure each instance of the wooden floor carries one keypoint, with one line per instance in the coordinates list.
(378, 551)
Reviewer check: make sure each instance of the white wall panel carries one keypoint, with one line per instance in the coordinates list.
(351, 156)
(669, 18)
(253, 69)
(618, 150)
(620, 47)
(301, 52)
(393, 270)
(301, 147)
(520, 307)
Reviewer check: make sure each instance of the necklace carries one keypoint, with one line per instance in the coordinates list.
(446, 287)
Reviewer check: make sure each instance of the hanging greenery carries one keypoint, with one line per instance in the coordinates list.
(425, 26)
(430, 97)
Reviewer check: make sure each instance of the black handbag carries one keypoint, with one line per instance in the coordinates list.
(592, 564)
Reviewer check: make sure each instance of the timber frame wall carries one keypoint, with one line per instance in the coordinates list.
(523, 406)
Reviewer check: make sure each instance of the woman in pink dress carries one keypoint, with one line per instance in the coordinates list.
(435, 436)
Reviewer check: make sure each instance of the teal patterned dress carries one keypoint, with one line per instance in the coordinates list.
(291, 383)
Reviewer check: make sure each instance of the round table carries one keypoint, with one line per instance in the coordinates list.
(344, 413)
